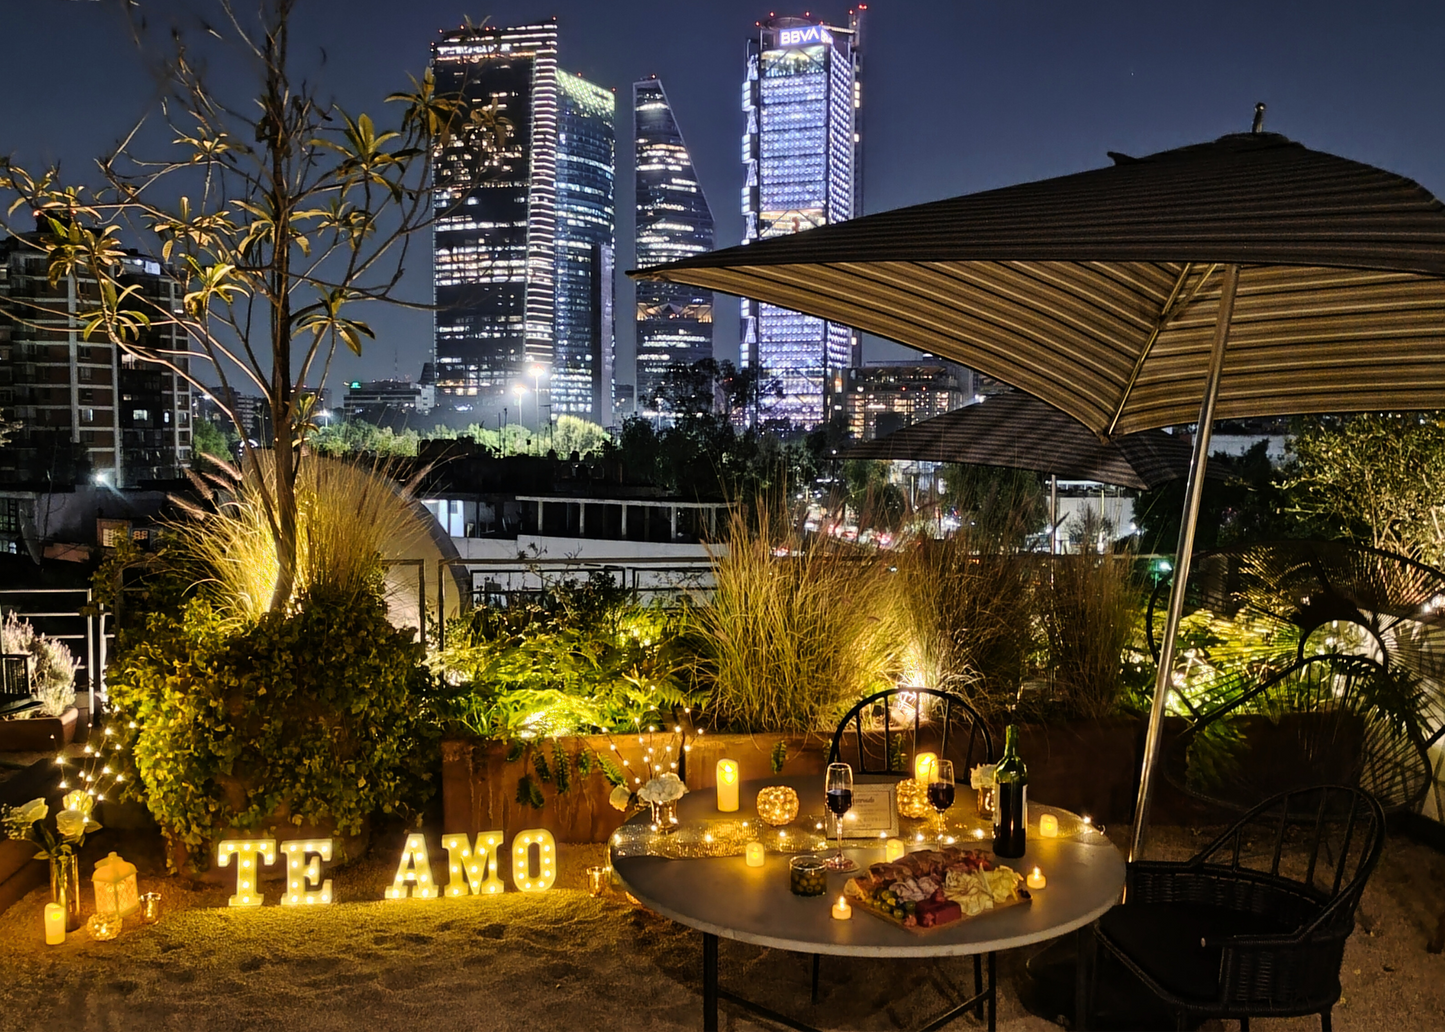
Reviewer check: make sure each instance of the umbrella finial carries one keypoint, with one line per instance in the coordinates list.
(1258, 118)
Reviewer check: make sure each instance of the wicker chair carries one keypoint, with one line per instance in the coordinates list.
(926, 711)
(1229, 934)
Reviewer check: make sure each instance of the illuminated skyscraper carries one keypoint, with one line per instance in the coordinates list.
(581, 382)
(524, 236)
(674, 321)
(802, 154)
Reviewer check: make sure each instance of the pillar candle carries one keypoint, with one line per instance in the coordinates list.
(727, 785)
(54, 924)
(893, 849)
(1048, 826)
(755, 854)
(925, 767)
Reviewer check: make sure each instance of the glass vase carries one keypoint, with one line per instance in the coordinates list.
(65, 888)
(664, 817)
(985, 802)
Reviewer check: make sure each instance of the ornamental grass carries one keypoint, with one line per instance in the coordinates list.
(969, 610)
(350, 517)
(796, 630)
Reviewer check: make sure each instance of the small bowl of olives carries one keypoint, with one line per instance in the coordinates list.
(807, 875)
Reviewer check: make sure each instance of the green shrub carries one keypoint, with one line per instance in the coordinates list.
(573, 659)
(312, 714)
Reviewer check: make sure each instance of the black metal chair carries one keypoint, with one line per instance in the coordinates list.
(1243, 930)
(919, 711)
(1332, 718)
(875, 750)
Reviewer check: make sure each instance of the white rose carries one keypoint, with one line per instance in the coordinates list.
(70, 824)
(35, 810)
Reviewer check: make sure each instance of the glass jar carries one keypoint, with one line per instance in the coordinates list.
(807, 875)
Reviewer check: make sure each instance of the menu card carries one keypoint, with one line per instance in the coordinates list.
(874, 812)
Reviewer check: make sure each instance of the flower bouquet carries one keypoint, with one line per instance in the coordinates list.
(62, 836)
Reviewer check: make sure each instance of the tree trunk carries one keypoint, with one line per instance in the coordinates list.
(283, 436)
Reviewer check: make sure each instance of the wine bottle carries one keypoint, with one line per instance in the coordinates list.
(1011, 798)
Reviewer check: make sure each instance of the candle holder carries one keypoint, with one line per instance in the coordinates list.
(150, 907)
(913, 798)
(104, 927)
(986, 801)
(777, 805)
(596, 880)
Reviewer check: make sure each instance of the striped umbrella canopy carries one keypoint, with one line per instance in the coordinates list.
(1099, 292)
(1246, 277)
(1021, 432)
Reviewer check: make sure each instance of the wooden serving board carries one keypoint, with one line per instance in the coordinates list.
(855, 901)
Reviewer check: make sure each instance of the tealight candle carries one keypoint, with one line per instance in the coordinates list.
(1036, 879)
(1048, 826)
(925, 767)
(755, 854)
(841, 910)
(54, 924)
(893, 849)
(727, 785)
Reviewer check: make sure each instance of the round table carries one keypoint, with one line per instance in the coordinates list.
(724, 897)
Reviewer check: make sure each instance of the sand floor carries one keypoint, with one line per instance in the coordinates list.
(564, 960)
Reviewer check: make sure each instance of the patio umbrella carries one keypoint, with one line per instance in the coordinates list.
(1019, 431)
(1245, 277)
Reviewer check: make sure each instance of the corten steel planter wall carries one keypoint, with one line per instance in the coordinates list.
(38, 734)
(479, 785)
(1087, 766)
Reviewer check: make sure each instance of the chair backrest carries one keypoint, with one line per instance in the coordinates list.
(875, 721)
(1328, 718)
(1320, 842)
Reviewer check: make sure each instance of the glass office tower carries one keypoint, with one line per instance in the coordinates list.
(674, 321)
(495, 236)
(801, 154)
(582, 338)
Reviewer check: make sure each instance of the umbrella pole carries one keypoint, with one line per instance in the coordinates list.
(1053, 516)
(1193, 493)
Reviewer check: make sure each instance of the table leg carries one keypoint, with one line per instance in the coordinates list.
(709, 982)
(978, 986)
(1084, 957)
(992, 993)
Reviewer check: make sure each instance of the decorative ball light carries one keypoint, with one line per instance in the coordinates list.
(778, 805)
(913, 799)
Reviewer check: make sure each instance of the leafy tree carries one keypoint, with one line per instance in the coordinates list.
(277, 217)
(709, 387)
(209, 439)
(1375, 478)
(1243, 501)
(358, 437)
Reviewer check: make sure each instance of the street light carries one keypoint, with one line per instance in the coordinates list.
(520, 392)
(538, 371)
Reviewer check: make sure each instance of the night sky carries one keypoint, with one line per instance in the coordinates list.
(958, 96)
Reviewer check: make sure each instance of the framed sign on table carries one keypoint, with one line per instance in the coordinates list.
(874, 813)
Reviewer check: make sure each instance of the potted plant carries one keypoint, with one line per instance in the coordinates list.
(50, 722)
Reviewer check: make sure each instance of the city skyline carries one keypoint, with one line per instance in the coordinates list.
(960, 98)
(674, 220)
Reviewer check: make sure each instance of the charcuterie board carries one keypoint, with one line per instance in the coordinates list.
(933, 889)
